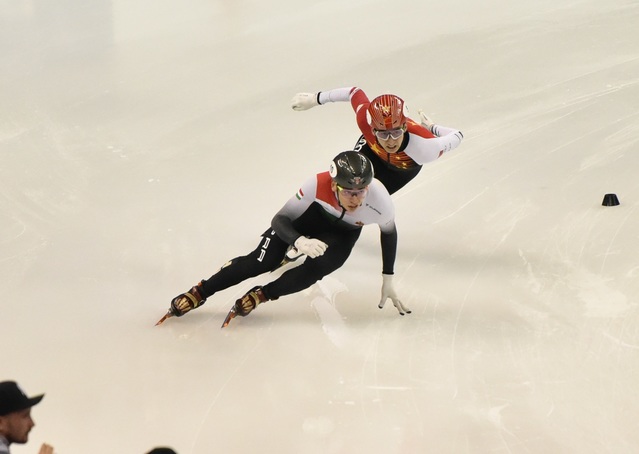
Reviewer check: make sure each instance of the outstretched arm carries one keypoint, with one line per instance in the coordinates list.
(355, 95)
(437, 130)
(388, 240)
(425, 147)
(389, 252)
(305, 101)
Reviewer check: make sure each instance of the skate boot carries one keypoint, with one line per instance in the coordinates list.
(246, 304)
(185, 302)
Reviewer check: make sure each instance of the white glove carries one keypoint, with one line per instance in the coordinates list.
(388, 291)
(304, 101)
(310, 246)
(426, 122)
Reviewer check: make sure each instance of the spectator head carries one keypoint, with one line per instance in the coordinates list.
(15, 412)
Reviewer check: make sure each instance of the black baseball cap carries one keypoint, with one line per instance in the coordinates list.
(13, 399)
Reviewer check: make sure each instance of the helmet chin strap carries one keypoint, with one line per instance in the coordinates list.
(339, 202)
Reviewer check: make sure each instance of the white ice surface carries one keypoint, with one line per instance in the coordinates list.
(144, 143)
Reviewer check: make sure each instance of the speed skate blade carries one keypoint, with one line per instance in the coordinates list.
(230, 316)
(167, 315)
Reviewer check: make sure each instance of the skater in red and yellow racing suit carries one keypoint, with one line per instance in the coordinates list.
(396, 145)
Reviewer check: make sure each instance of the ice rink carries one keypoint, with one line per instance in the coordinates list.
(145, 143)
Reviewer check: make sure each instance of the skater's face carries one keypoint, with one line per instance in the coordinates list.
(391, 139)
(15, 427)
(350, 199)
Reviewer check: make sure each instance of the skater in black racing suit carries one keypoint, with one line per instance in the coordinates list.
(322, 221)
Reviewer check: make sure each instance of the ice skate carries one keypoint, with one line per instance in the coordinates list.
(184, 303)
(246, 304)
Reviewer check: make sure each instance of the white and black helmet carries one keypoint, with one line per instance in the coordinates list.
(351, 170)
